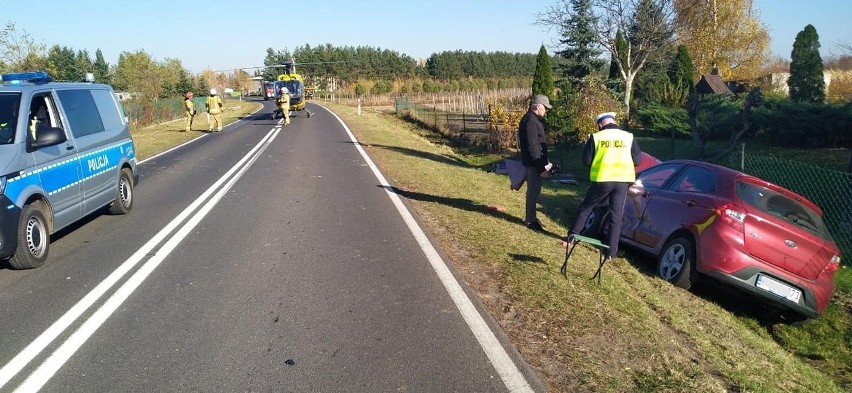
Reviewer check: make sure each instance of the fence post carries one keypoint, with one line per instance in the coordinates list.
(464, 120)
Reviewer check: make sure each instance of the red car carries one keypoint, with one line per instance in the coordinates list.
(703, 219)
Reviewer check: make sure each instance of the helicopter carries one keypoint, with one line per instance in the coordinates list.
(295, 86)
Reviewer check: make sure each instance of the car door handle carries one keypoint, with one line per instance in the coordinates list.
(69, 147)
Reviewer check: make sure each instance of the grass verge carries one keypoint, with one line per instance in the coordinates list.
(633, 332)
(160, 137)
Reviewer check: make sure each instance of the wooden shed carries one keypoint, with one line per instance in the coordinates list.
(712, 84)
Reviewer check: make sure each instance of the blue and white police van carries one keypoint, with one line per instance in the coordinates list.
(65, 152)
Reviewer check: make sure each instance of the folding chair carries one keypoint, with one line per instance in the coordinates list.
(602, 250)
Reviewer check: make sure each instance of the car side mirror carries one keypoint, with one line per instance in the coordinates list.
(48, 136)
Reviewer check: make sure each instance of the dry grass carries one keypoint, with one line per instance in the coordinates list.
(631, 333)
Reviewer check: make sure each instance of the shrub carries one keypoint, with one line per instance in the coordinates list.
(789, 123)
(661, 121)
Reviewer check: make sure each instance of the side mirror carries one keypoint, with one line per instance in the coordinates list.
(48, 136)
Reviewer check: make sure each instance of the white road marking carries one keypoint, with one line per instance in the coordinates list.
(49, 367)
(506, 368)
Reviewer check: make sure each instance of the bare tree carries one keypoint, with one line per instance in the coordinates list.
(19, 52)
(647, 24)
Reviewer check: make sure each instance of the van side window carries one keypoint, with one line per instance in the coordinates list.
(109, 108)
(81, 111)
(42, 114)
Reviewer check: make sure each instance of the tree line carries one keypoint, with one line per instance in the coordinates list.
(350, 63)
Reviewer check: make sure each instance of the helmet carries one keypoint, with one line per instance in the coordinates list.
(284, 90)
(188, 94)
(213, 92)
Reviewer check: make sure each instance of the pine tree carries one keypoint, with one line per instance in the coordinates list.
(806, 81)
(580, 41)
(543, 77)
(101, 68)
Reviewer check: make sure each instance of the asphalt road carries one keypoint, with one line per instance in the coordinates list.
(263, 258)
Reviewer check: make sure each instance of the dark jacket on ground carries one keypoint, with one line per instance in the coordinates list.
(533, 142)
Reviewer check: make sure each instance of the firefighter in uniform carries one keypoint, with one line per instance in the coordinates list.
(612, 155)
(188, 109)
(214, 109)
(284, 104)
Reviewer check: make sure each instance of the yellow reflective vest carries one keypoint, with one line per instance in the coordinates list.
(612, 161)
(189, 107)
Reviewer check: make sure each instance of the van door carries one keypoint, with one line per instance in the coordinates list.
(100, 132)
(57, 166)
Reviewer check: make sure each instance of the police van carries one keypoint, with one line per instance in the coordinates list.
(65, 152)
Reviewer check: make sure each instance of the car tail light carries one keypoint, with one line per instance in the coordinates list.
(733, 217)
(833, 264)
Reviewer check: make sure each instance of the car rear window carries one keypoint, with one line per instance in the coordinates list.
(782, 207)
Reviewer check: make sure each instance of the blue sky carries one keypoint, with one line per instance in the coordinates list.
(232, 34)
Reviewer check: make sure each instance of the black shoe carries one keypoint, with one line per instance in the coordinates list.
(535, 225)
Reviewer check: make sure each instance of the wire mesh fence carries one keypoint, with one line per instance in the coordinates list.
(471, 127)
(830, 190)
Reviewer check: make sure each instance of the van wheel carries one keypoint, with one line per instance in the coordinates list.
(124, 194)
(33, 238)
(677, 263)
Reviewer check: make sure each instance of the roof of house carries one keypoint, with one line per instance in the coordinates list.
(712, 84)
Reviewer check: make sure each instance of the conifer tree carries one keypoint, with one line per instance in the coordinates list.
(581, 42)
(806, 81)
(543, 77)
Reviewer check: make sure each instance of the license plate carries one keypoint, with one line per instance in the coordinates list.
(778, 288)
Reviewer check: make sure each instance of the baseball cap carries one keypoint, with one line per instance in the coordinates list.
(543, 100)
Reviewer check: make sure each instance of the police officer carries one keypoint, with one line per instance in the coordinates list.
(188, 109)
(283, 102)
(611, 154)
(214, 109)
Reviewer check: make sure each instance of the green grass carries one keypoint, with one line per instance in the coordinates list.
(633, 332)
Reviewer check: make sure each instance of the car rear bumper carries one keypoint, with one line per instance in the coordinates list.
(745, 280)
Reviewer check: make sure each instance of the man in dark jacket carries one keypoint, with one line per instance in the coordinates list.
(533, 144)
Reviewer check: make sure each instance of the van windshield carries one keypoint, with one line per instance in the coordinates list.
(9, 105)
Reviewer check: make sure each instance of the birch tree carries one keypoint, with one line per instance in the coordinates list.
(723, 34)
(647, 25)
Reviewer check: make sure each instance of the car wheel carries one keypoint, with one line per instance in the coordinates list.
(33, 238)
(124, 194)
(677, 263)
(593, 227)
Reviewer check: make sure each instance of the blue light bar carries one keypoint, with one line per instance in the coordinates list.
(18, 78)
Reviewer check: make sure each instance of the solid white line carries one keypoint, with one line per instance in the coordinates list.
(14, 366)
(194, 139)
(506, 368)
(48, 369)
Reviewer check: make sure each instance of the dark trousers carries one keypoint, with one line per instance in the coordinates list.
(614, 193)
(533, 191)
